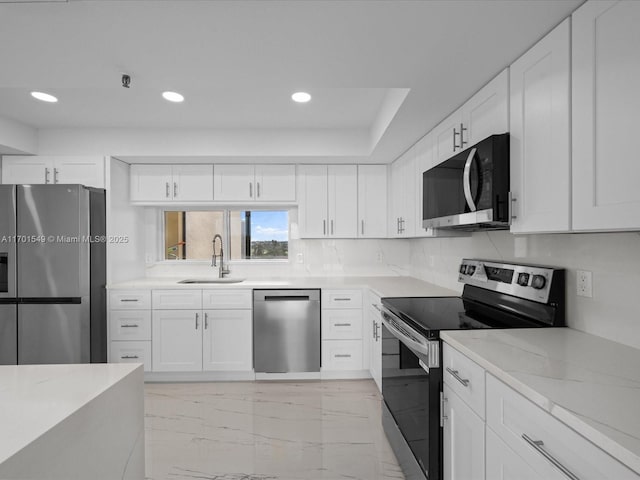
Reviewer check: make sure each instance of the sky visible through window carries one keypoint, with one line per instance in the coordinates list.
(266, 226)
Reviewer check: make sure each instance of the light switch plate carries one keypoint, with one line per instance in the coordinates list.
(584, 284)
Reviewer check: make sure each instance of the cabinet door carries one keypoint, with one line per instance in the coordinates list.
(446, 144)
(176, 340)
(375, 357)
(540, 136)
(151, 183)
(372, 201)
(462, 440)
(343, 201)
(505, 464)
(487, 112)
(83, 170)
(312, 201)
(234, 183)
(192, 183)
(275, 183)
(131, 352)
(408, 195)
(395, 197)
(605, 105)
(227, 340)
(27, 170)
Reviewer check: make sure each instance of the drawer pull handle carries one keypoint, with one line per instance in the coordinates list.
(342, 355)
(128, 325)
(128, 299)
(342, 324)
(376, 306)
(454, 374)
(537, 445)
(342, 299)
(129, 357)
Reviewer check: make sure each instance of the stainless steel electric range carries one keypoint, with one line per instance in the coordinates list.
(495, 295)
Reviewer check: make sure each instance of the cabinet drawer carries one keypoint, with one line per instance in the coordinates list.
(342, 355)
(470, 382)
(130, 324)
(176, 299)
(342, 324)
(129, 299)
(513, 417)
(225, 299)
(131, 352)
(341, 298)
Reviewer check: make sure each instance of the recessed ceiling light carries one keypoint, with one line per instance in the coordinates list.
(173, 96)
(301, 97)
(45, 97)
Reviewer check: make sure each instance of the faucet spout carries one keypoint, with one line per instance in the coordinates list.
(221, 270)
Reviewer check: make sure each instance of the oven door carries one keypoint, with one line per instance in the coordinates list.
(411, 393)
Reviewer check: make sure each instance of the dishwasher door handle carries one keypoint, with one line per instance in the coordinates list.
(290, 298)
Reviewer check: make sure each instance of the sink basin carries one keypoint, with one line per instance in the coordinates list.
(211, 280)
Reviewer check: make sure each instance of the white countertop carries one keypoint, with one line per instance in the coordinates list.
(589, 383)
(384, 286)
(35, 398)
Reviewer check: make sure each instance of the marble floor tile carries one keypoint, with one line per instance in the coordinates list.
(327, 430)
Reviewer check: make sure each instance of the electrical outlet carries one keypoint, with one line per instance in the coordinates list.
(299, 258)
(379, 257)
(584, 282)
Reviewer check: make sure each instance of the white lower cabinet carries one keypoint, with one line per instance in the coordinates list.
(463, 440)
(341, 355)
(341, 321)
(131, 352)
(505, 464)
(130, 327)
(227, 340)
(177, 340)
(374, 319)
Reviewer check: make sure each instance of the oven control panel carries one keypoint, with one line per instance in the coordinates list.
(525, 281)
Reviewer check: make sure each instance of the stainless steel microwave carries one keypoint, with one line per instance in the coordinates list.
(470, 191)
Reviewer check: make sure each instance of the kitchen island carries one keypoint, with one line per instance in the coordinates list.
(72, 421)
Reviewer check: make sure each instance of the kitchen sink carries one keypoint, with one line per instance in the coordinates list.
(211, 280)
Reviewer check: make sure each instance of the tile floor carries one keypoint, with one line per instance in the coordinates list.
(266, 430)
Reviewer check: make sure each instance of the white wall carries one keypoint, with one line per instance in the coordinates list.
(17, 138)
(614, 259)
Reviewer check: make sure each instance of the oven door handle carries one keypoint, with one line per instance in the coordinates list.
(430, 352)
(402, 337)
(466, 180)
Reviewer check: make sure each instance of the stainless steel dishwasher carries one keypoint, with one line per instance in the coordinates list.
(286, 331)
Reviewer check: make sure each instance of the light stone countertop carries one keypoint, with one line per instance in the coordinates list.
(589, 383)
(36, 398)
(384, 286)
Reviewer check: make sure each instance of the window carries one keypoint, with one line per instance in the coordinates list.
(247, 234)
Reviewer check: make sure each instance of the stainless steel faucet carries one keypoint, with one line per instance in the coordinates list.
(221, 270)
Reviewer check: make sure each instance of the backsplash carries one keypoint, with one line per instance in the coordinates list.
(614, 259)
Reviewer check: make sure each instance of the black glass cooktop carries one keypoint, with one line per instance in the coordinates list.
(429, 315)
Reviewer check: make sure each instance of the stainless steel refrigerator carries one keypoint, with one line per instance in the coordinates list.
(52, 274)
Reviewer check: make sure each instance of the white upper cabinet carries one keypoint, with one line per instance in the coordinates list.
(403, 195)
(171, 183)
(540, 146)
(85, 170)
(372, 201)
(484, 114)
(605, 106)
(255, 183)
(328, 201)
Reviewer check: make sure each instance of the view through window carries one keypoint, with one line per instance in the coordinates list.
(247, 234)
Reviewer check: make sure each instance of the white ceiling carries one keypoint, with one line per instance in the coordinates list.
(237, 63)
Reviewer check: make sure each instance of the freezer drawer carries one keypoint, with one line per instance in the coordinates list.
(53, 333)
(8, 334)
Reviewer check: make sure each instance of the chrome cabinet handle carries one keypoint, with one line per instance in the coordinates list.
(455, 134)
(128, 299)
(331, 227)
(362, 226)
(126, 325)
(175, 189)
(511, 201)
(250, 190)
(196, 321)
(258, 189)
(466, 180)
(206, 321)
(454, 374)
(324, 227)
(537, 445)
(341, 324)
(55, 175)
(462, 140)
(342, 355)
(166, 190)
(342, 299)
(46, 175)
(128, 357)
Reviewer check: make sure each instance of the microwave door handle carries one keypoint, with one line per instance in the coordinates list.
(466, 180)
